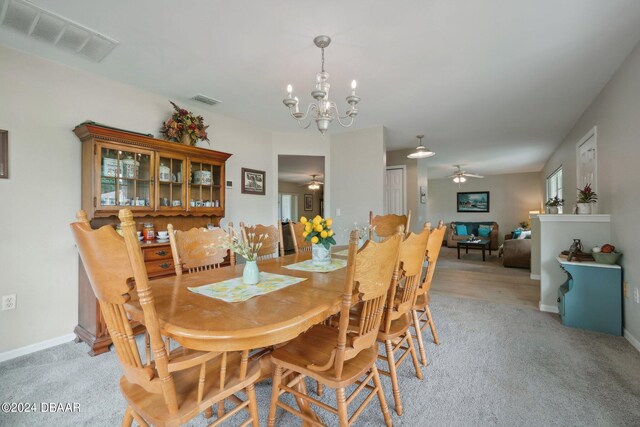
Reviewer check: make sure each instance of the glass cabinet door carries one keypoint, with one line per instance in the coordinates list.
(171, 180)
(126, 178)
(205, 185)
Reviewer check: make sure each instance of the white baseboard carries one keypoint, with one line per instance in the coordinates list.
(535, 276)
(633, 340)
(32, 348)
(548, 308)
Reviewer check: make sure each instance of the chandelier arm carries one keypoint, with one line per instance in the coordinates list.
(345, 124)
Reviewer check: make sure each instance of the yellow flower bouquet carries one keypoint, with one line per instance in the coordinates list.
(318, 231)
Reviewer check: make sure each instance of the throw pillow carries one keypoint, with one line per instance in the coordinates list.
(461, 230)
(526, 234)
(516, 233)
(484, 232)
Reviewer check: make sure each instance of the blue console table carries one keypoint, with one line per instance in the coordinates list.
(591, 298)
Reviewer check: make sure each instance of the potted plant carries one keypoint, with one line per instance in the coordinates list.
(318, 231)
(586, 197)
(553, 204)
(185, 127)
(249, 251)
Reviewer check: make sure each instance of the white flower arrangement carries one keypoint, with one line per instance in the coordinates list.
(249, 249)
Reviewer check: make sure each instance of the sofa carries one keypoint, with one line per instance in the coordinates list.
(516, 252)
(472, 228)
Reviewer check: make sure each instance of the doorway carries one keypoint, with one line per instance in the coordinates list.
(300, 191)
(395, 201)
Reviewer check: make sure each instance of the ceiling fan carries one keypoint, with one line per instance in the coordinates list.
(314, 184)
(460, 176)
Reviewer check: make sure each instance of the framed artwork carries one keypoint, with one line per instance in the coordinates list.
(473, 201)
(308, 202)
(4, 154)
(253, 181)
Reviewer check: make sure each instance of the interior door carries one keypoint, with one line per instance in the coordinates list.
(394, 191)
(588, 163)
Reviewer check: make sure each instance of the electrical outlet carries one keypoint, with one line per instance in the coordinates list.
(625, 289)
(636, 295)
(8, 302)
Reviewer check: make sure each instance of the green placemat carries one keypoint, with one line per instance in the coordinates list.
(234, 290)
(308, 265)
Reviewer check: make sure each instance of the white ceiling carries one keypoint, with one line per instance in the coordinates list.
(298, 169)
(493, 84)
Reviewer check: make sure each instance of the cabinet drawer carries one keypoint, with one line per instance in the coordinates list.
(153, 254)
(160, 267)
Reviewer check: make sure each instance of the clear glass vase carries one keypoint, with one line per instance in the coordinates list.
(251, 274)
(320, 255)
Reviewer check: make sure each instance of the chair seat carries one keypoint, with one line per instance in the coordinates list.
(314, 347)
(422, 301)
(398, 327)
(153, 408)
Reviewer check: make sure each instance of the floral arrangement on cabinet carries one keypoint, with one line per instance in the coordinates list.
(185, 127)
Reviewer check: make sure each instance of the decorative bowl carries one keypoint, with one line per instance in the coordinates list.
(603, 258)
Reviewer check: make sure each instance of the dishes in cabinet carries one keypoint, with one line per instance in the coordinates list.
(202, 177)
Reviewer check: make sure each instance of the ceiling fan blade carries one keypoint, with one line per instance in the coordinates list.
(473, 175)
(452, 176)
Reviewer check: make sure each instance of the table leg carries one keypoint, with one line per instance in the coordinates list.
(466, 249)
(483, 258)
(458, 251)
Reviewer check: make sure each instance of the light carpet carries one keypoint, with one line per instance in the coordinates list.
(497, 365)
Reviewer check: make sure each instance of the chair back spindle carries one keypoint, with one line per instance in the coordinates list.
(433, 253)
(406, 280)
(369, 273)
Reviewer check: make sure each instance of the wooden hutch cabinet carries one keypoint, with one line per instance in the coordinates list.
(161, 182)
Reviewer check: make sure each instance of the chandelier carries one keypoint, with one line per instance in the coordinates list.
(421, 151)
(323, 111)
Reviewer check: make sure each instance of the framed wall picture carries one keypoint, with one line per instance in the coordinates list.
(308, 202)
(253, 182)
(473, 201)
(4, 154)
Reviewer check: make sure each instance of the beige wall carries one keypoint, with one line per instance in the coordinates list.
(357, 178)
(615, 112)
(511, 198)
(293, 188)
(41, 102)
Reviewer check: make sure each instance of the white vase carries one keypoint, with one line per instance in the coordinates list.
(583, 208)
(320, 255)
(553, 209)
(251, 274)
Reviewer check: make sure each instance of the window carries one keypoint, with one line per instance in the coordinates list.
(554, 186)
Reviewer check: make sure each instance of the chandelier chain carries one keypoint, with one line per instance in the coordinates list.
(323, 60)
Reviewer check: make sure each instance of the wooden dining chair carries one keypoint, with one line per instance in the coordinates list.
(174, 386)
(395, 328)
(346, 355)
(420, 312)
(299, 243)
(384, 226)
(273, 245)
(199, 249)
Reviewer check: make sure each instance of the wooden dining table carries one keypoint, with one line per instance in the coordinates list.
(203, 323)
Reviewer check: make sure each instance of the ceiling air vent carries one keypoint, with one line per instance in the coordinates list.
(33, 21)
(207, 100)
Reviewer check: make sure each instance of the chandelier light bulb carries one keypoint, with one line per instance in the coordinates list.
(289, 90)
